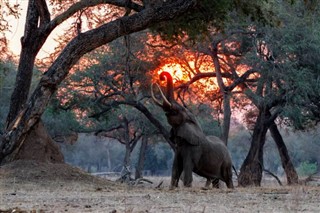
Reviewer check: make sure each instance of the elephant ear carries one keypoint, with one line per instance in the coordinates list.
(190, 133)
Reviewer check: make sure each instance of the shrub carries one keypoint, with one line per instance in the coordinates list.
(306, 168)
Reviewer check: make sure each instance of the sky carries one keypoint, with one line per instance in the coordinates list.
(17, 31)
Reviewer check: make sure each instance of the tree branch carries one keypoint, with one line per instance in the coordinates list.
(85, 4)
(80, 45)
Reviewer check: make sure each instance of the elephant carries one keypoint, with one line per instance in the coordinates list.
(206, 156)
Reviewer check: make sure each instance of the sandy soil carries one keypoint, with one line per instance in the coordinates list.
(36, 187)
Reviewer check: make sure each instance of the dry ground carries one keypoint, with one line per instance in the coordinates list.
(35, 187)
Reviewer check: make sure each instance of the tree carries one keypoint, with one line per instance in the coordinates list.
(24, 115)
(269, 80)
(287, 67)
(8, 10)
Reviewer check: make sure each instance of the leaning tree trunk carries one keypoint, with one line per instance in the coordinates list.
(252, 167)
(292, 176)
(142, 153)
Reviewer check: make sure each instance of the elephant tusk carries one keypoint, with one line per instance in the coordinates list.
(162, 95)
(154, 98)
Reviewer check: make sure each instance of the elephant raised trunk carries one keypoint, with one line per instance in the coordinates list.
(167, 99)
(168, 77)
(195, 152)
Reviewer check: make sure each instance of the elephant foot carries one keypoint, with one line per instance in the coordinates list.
(173, 187)
(230, 186)
(187, 185)
(205, 188)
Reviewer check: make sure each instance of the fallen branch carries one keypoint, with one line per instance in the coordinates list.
(159, 185)
(140, 180)
(273, 175)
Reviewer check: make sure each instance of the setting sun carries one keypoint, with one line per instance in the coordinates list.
(183, 73)
(175, 70)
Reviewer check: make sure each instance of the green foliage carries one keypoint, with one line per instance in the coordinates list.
(195, 22)
(306, 168)
(203, 113)
(287, 63)
(215, 14)
(7, 82)
(60, 122)
(7, 78)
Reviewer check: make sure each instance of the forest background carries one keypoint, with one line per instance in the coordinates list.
(103, 100)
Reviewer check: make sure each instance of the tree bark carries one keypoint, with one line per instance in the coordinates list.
(252, 167)
(292, 176)
(139, 168)
(80, 45)
(226, 117)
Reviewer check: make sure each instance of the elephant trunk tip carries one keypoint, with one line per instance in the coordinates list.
(167, 76)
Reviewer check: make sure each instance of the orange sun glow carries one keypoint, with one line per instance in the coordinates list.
(175, 70)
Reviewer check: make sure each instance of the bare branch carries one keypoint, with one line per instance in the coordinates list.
(85, 4)
(273, 175)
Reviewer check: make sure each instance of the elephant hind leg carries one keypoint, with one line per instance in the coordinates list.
(213, 181)
(228, 178)
(208, 183)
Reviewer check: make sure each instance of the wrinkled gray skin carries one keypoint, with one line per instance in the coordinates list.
(195, 152)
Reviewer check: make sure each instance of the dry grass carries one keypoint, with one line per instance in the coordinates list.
(35, 187)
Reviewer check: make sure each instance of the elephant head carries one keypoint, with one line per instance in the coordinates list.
(183, 122)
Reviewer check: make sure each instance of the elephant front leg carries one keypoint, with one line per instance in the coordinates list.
(187, 169)
(176, 171)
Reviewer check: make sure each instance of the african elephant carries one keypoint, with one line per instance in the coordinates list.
(195, 152)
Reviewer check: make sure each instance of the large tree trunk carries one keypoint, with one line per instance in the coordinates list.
(292, 176)
(142, 153)
(252, 167)
(31, 42)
